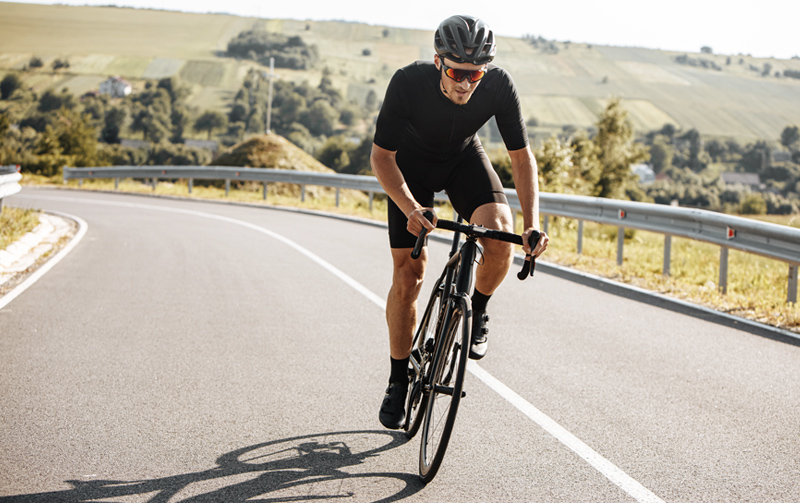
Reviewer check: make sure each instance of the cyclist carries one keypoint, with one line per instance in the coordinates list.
(426, 141)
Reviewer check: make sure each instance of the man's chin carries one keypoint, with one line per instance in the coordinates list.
(461, 99)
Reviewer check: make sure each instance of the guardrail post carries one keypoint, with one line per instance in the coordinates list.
(190, 184)
(116, 183)
(337, 196)
(155, 183)
(580, 237)
(723, 269)
(791, 295)
(227, 186)
(546, 224)
(620, 243)
(371, 197)
(80, 182)
(264, 195)
(667, 254)
(302, 193)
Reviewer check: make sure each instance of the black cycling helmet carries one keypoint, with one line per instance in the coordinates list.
(465, 39)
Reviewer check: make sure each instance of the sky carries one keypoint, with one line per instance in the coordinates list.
(767, 28)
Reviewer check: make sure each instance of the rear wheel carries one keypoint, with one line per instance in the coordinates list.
(421, 354)
(445, 393)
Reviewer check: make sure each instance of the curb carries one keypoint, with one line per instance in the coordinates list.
(50, 263)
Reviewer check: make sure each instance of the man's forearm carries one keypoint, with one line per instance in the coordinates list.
(526, 181)
(391, 179)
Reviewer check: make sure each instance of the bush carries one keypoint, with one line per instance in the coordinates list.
(8, 85)
(753, 204)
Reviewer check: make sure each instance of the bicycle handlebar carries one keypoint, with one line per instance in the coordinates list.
(528, 267)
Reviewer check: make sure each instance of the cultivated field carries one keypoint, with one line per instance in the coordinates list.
(565, 88)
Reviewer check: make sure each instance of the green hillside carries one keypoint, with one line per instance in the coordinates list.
(561, 84)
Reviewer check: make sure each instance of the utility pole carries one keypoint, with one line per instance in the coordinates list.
(270, 76)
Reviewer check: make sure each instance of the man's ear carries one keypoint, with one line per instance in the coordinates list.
(436, 61)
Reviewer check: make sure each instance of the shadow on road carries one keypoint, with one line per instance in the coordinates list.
(304, 468)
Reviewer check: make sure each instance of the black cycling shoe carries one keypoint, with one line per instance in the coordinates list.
(480, 343)
(393, 414)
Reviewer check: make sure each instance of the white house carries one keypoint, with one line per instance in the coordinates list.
(117, 87)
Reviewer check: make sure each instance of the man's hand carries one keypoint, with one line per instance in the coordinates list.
(417, 221)
(540, 247)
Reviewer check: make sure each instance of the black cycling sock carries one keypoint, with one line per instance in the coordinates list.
(479, 302)
(399, 370)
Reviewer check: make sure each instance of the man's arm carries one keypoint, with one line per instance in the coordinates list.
(526, 181)
(386, 170)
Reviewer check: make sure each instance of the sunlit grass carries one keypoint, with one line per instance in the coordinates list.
(15, 223)
(757, 286)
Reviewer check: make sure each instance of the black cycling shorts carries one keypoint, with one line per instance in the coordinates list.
(469, 180)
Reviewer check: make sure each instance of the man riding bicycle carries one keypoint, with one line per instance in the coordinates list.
(426, 141)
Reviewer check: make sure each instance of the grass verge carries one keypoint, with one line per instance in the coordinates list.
(15, 223)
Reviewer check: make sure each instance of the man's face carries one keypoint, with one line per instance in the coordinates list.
(458, 92)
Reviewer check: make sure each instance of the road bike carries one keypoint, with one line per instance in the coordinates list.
(442, 340)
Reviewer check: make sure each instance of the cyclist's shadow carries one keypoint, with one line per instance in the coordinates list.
(303, 468)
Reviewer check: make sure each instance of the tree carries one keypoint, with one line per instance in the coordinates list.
(335, 153)
(557, 173)
(696, 162)
(210, 121)
(661, 154)
(321, 118)
(8, 85)
(756, 157)
(790, 137)
(617, 152)
(51, 101)
(113, 122)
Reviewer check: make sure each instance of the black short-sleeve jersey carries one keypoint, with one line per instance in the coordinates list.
(417, 118)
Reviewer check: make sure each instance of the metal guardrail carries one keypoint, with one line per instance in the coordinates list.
(9, 182)
(728, 232)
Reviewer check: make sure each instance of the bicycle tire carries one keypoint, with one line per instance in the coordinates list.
(450, 364)
(427, 329)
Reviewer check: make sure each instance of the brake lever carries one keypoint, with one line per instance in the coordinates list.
(415, 253)
(529, 265)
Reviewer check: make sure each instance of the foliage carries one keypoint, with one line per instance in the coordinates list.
(695, 176)
(259, 45)
(8, 85)
(617, 152)
(210, 121)
(790, 137)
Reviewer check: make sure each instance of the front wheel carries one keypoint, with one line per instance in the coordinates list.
(421, 355)
(444, 395)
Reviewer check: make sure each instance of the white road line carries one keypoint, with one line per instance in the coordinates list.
(601, 464)
(33, 278)
(597, 461)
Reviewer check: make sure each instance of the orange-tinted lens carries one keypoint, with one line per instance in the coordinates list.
(459, 75)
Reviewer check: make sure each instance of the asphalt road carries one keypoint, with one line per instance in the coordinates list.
(191, 351)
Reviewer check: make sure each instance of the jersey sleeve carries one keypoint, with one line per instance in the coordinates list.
(509, 116)
(393, 116)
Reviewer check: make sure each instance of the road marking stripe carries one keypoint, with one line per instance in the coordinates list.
(601, 464)
(33, 278)
(597, 461)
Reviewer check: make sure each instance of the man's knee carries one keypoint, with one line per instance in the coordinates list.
(493, 216)
(408, 275)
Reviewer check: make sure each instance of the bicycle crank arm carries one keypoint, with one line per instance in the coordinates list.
(447, 390)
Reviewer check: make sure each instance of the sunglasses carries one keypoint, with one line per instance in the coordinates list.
(459, 75)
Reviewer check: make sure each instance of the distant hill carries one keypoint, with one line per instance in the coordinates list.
(561, 83)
